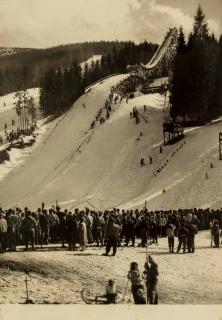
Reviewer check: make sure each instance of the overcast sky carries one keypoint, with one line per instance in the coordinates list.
(45, 23)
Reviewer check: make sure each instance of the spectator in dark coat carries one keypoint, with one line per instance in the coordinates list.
(3, 233)
(182, 237)
(191, 236)
(216, 233)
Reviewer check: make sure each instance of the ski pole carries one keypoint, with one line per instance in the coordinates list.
(130, 296)
(125, 290)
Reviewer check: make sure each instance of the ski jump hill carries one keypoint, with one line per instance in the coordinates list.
(100, 167)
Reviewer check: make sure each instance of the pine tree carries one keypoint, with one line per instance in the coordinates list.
(218, 84)
(195, 70)
(77, 81)
(212, 52)
(179, 90)
(31, 108)
(200, 27)
(86, 75)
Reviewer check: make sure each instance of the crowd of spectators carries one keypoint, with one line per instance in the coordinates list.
(80, 228)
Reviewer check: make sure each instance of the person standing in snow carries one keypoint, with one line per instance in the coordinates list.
(215, 231)
(182, 237)
(3, 233)
(97, 229)
(28, 230)
(112, 234)
(136, 281)
(170, 235)
(44, 223)
(82, 234)
(191, 236)
(14, 223)
(142, 162)
(151, 273)
(88, 222)
(62, 224)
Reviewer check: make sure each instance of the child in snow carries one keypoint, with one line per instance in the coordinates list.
(136, 280)
(140, 297)
(111, 291)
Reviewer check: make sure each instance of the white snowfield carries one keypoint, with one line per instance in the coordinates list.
(100, 168)
(7, 101)
(94, 58)
(8, 112)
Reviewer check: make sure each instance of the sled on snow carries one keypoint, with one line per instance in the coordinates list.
(88, 299)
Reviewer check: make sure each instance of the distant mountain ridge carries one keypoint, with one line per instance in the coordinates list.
(7, 51)
(24, 67)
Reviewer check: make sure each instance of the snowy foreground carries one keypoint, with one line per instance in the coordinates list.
(57, 276)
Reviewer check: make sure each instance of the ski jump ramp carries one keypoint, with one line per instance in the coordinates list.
(166, 49)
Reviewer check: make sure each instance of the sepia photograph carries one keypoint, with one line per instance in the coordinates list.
(110, 155)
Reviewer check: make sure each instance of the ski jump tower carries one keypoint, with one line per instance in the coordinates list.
(163, 57)
(164, 54)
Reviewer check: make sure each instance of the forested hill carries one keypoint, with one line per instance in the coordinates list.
(7, 51)
(23, 68)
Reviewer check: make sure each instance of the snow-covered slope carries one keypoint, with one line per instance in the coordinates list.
(94, 58)
(101, 167)
(7, 108)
